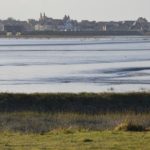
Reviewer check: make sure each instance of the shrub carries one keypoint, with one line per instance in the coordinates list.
(129, 126)
(87, 140)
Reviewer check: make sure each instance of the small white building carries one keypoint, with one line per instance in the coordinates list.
(39, 27)
(104, 28)
(1, 27)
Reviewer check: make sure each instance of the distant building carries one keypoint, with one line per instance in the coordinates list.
(1, 27)
(68, 26)
(32, 22)
(104, 28)
(141, 24)
(39, 27)
(45, 23)
(86, 25)
(13, 28)
(101, 26)
(112, 26)
(126, 25)
(43, 17)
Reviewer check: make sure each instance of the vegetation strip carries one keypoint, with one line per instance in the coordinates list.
(42, 113)
(88, 103)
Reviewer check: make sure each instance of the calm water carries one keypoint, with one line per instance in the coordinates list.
(75, 65)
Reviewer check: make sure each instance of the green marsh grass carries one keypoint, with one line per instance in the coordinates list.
(83, 140)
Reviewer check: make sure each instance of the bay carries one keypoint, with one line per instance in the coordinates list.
(105, 64)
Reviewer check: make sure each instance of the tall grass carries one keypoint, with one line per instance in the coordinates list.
(46, 112)
(45, 122)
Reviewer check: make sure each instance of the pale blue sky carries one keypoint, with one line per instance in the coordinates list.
(101, 10)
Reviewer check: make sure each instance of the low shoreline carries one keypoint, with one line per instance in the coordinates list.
(50, 36)
(68, 37)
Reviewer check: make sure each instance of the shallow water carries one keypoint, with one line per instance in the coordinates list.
(120, 64)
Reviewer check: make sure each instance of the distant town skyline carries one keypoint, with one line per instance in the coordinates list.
(99, 10)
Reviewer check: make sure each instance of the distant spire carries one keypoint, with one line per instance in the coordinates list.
(41, 17)
(44, 16)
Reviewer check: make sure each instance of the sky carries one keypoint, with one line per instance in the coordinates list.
(99, 10)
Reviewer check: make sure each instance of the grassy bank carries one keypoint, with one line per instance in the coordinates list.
(75, 121)
(87, 103)
(76, 140)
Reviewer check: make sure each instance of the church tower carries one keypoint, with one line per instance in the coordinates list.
(41, 16)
